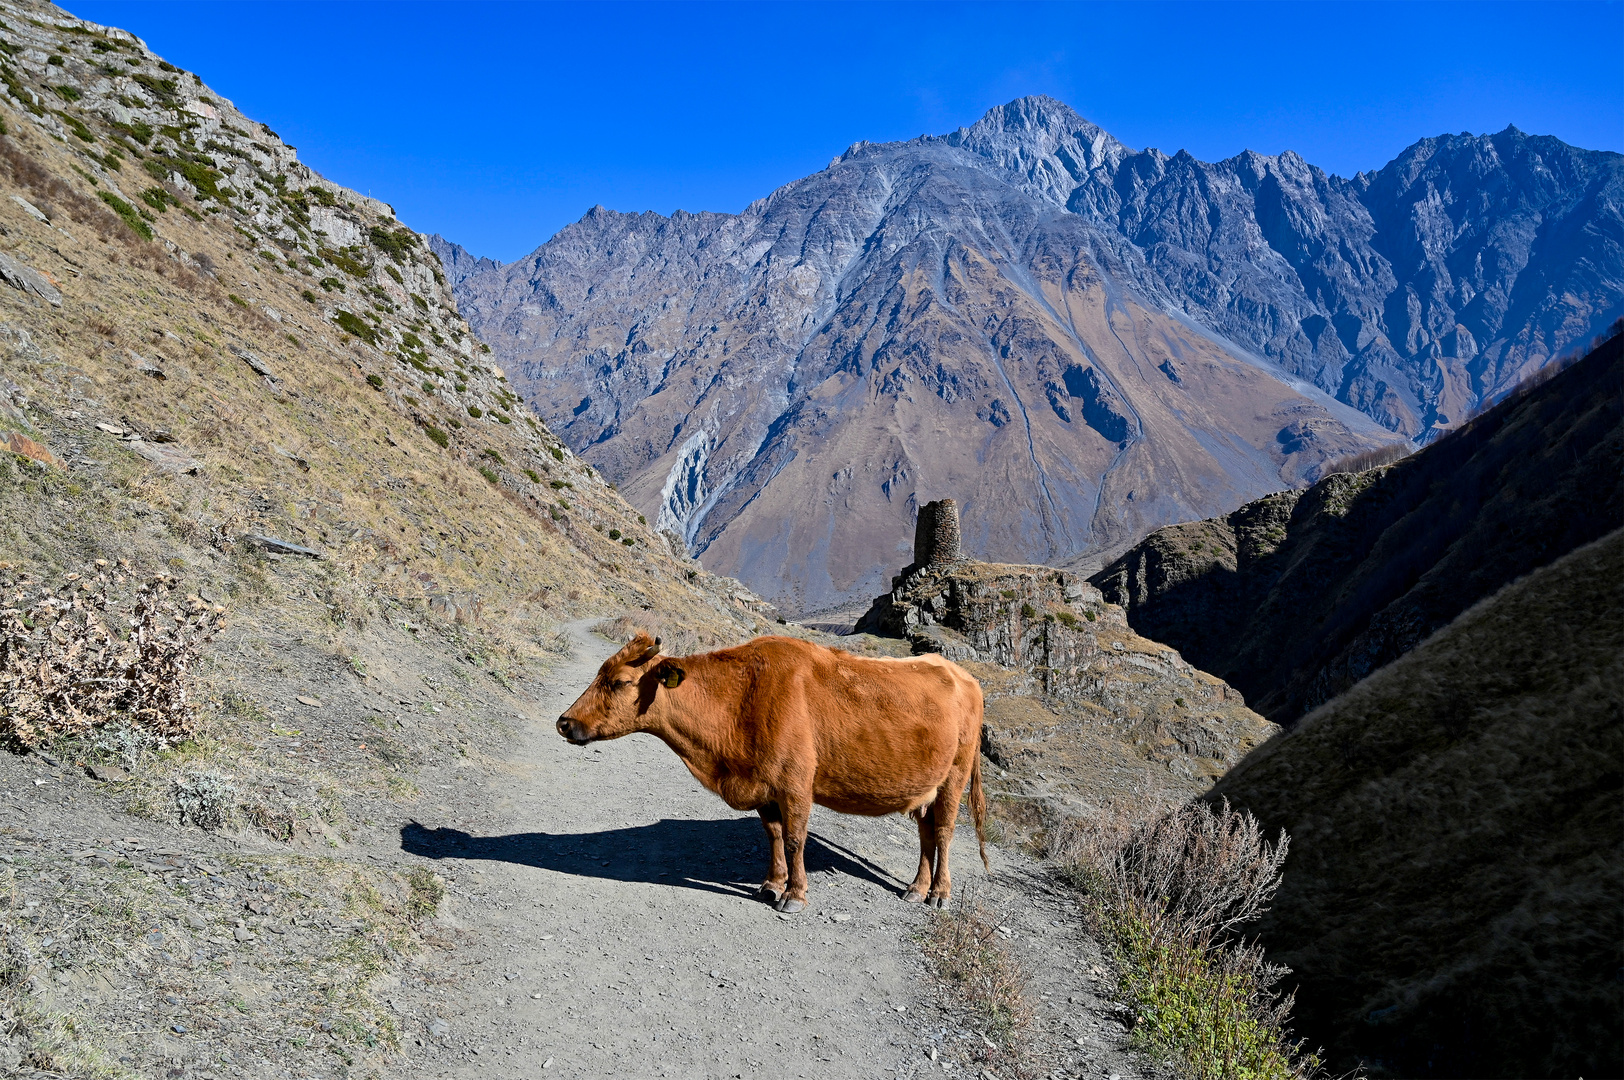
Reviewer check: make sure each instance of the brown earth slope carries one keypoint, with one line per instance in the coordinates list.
(1296, 597)
(1451, 902)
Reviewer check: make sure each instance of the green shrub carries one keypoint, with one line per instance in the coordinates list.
(55, 61)
(350, 324)
(428, 387)
(235, 299)
(422, 304)
(1067, 618)
(1089, 615)
(641, 520)
(411, 341)
(345, 262)
(490, 474)
(392, 272)
(395, 243)
(162, 89)
(159, 199)
(127, 213)
(331, 283)
(534, 478)
(141, 133)
(68, 93)
(614, 534)
(560, 485)
(454, 422)
(558, 453)
(375, 381)
(494, 456)
(628, 541)
(1028, 611)
(78, 128)
(309, 297)
(475, 411)
(440, 438)
(502, 418)
(484, 348)
(462, 388)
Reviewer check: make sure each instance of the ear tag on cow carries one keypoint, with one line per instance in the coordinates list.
(673, 678)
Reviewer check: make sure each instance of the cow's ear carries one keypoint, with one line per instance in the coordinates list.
(671, 676)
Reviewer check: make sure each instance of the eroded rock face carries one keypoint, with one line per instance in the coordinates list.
(1059, 331)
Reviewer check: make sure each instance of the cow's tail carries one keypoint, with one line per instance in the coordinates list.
(978, 809)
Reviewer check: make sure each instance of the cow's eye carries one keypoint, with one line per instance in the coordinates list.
(621, 684)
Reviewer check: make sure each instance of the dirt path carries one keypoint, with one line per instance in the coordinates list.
(603, 901)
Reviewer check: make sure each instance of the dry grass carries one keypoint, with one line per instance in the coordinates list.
(982, 976)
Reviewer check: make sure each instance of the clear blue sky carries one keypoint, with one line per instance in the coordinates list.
(497, 124)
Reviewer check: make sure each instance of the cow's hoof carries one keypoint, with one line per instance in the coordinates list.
(939, 902)
(789, 905)
(912, 897)
(770, 894)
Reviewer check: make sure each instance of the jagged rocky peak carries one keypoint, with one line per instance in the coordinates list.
(1042, 141)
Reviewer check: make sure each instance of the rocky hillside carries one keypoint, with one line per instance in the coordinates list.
(782, 388)
(279, 543)
(1450, 904)
(1296, 597)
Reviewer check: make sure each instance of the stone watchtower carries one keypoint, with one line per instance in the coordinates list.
(936, 536)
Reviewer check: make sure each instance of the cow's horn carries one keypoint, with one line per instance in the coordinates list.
(656, 643)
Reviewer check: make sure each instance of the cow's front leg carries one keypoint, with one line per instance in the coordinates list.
(772, 890)
(797, 815)
(927, 855)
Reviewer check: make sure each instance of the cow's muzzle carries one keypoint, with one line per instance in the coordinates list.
(573, 731)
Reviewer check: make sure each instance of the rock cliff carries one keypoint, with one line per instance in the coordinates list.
(1078, 341)
(1299, 595)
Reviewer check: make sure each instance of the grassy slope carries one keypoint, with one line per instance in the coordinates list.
(1451, 900)
(1296, 597)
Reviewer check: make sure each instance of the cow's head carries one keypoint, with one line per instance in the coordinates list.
(626, 684)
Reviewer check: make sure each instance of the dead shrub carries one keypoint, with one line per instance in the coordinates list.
(81, 656)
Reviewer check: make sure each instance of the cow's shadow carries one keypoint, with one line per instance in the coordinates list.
(726, 856)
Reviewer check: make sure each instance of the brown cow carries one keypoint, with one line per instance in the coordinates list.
(778, 724)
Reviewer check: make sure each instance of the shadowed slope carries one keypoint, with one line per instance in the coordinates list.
(1451, 900)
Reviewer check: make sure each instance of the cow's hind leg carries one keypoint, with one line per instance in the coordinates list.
(925, 819)
(797, 815)
(946, 814)
(772, 889)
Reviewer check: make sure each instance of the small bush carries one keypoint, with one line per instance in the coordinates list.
(308, 296)
(560, 485)
(127, 214)
(1067, 618)
(628, 541)
(235, 299)
(392, 272)
(204, 800)
(489, 473)
(1171, 887)
(352, 324)
(502, 419)
(1028, 611)
(330, 284)
(475, 411)
(493, 456)
(440, 438)
(558, 454)
(614, 534)
(428, 387)
(641, 520)
(375, 381)
(68, 93)
(534, 478)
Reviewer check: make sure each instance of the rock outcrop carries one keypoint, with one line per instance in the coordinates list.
(1064, 333)
(1299, 595)
(1047, 636)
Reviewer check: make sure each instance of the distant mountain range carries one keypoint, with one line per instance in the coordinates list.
(1078, 341)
